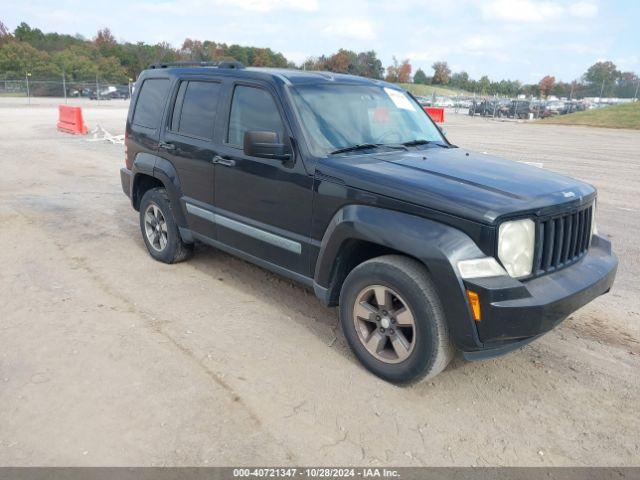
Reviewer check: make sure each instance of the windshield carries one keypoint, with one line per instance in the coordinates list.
(336, 117)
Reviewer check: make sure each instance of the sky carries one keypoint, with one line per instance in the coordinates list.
(512, 39)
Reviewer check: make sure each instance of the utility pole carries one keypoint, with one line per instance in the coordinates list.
(97, 89)
(635, 95)
(26, 76)
(601, 90)
(64, 86)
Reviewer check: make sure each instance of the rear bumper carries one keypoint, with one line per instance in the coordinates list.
(515, 313)
(125, 180)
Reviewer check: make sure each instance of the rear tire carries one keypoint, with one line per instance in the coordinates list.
(393, 320)
(159, 229)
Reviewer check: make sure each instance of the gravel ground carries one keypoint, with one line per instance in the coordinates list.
(110, 358)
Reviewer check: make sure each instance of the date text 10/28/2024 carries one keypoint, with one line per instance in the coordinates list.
(321, 472)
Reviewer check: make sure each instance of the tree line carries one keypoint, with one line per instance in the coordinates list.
(602, 78)
(51, 55)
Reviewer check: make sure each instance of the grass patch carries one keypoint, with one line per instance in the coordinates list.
(427, 90)
(615, 116)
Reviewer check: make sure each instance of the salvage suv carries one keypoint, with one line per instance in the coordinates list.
(345, 184)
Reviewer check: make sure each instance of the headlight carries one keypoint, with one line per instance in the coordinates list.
(516, 241)
(594, 227)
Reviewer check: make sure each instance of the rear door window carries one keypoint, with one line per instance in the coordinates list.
(151, 98)
(253, 109)
(194, 112)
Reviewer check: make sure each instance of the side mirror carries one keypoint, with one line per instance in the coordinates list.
(265, 145)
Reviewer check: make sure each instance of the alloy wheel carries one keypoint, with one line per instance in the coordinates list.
(384, 323)
(155, 227)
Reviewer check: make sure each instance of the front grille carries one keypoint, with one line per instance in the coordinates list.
(562, 240)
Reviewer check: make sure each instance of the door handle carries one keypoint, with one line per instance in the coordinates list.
(225, 162)
(167, 146)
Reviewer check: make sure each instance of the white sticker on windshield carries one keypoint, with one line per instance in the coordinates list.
(399, 99)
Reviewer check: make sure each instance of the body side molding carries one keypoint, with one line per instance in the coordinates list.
(245, 229)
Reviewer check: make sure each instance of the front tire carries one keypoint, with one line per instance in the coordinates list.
(159, 229)
(393, 320)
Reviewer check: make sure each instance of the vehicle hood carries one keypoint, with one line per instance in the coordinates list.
(453, 180)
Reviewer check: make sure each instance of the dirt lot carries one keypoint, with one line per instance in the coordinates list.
(110, 358)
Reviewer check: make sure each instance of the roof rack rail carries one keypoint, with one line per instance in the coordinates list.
(223, 64)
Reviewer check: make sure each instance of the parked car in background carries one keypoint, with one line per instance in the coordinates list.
(479, 107)
(424, 101)
(519, 109)
(443, 102)
(501, 107)
(462, 102)
(112, 92)
(572, 106)
(555, 106)
(489, 107)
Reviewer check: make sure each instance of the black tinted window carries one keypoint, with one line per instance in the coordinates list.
(195, 115)
(253, 109)
(150, 102)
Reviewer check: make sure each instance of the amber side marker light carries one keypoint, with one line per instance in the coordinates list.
(474, 301)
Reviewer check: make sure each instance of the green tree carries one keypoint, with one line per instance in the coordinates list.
(420, 77)
(460, 80)
(365, 64)
(600, 71)
(18, 58)
(238, 53)
(484, 85)
(5, 34)
(441, 73)
(24, 33)
(369, 65)
(75, 64)
(601, 75)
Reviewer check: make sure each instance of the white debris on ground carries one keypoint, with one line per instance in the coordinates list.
(99, 134)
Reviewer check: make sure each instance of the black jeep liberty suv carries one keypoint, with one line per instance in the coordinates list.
(346, 185)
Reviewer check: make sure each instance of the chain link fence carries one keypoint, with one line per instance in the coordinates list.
(65, 89)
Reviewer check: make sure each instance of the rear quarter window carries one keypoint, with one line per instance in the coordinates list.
(150, 104)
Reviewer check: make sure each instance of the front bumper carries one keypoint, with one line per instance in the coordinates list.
(515, 313)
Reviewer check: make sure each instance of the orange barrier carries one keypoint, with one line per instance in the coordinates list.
(70, 120)
(436, 113)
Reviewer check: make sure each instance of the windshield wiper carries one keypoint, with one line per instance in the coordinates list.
(413, 143)
(365, 146)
